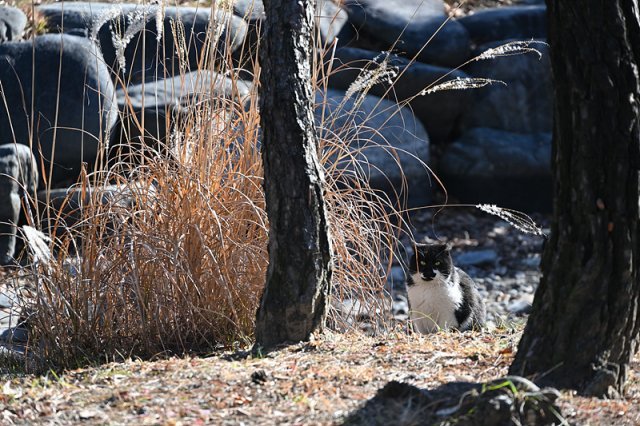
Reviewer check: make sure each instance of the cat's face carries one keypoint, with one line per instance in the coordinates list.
(431, 261)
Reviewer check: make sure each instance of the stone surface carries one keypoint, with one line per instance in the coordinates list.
(524, 104)
(438, 111)
(166, 104)
(521, 305)
(502, 23)
(389, 144)
(492, 166)
(68, 205)
(73, 110)
(145, 57)
(330, 17)
(409, 26)
(18, 173)
(477, 257)
(12, 23)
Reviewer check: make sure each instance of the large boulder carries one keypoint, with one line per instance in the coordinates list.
(502, 23)
(59, 99)
(385, 144)
(414, 27)
(524, 104)
(150, 42)
(12, 23)
(330, 18)
(438, 111)
(491, 166)
(18, 176)
(166, 104)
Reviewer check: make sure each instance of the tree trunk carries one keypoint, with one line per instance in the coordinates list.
(584, 328)
(298, 277)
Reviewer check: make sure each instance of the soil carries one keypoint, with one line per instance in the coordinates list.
(319, 382)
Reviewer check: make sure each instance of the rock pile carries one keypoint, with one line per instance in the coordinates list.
(105, 67)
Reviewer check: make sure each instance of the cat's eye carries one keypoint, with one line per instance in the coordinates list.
(437, 263)
(423, 263)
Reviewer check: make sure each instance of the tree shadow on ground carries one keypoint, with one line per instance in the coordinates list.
(507, 401)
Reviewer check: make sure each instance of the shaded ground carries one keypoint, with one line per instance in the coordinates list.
(313, 383)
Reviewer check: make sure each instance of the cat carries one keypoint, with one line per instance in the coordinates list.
(441, 296)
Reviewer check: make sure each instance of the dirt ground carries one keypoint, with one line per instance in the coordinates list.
(309, 383)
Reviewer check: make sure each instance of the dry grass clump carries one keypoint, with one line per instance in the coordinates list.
(178, 268)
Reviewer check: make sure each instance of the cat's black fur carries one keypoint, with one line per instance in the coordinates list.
(429, 259)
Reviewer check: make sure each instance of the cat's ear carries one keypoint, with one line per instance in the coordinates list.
(448, 246)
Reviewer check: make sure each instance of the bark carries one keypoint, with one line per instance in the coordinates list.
(299, 273)
(584, 328)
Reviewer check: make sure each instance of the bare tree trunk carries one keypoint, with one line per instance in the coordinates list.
(299, 273)
(584, 326)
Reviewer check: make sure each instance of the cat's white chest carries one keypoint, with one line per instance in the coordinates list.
(433, 304)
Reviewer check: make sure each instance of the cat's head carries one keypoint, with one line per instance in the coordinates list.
(431, 261)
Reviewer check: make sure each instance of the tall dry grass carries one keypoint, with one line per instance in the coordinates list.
(163, 248)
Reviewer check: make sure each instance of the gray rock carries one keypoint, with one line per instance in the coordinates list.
(68, 206)
(145, 57)
(492, 166)
(396, 278)
(330, 18)
(524, 104)
(73, 110)
(165, 104)
(389, 145)
(15, 335)
(18, 173)
(438, 111)
(400, 306)
(502, 23)
(7, 298)
(12, 23)
(484, 152)
(408, 25)
(476, 258)
(521, 305)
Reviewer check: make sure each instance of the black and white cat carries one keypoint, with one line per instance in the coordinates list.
(441, 296)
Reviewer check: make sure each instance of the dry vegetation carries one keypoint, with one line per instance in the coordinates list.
(310, 383)
(180, 270)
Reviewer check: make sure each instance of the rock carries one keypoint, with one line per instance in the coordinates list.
(396, 278)
(496, 167)
(12, 23)
(18, 173)
(170, 102)
(68, 207)
(8, 297)
(15, 335)
(330, 18)
(524, 104)
(388, 143)
(477, 258)
(73, 113)
(521, 305)
(149, 55)
(331, 21)
(400, 306)
(438, 111)
(502, 23)
(408, 25)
